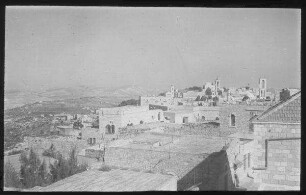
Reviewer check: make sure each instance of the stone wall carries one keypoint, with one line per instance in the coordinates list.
(129, 117)
(62, 144)
(242, 117)
(281, 163)
(88, 133)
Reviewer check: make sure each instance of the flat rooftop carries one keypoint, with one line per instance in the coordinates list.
(188, 144)
(111, 181)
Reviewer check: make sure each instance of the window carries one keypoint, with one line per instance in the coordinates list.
(233, 120)
(249, 160)
(113, 129)
(244, 161)
(93, 140)
(108, 129)
(185, 119)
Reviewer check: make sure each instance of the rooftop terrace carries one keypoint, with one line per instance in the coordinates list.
(113, 180)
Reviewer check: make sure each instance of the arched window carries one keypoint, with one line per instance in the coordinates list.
(113, 129)
(233, 120)
(108, 129)
(158, 116)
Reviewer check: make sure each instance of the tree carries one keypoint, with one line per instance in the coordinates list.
(284, 94)
(129, 102)
(198, 98)
(209, 97)
(215, 99)
(63, 168)
(208, 92)
(43, 174)
(245, 98)
(29, 169)
(11, 178)
(219, 92)
(78, 125)
(162, 94)
(73, 166)
(203, 98)
(194, 88)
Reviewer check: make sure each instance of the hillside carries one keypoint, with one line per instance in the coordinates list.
(17, 98)
(34, 118)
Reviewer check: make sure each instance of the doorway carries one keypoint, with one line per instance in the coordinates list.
(185, 119)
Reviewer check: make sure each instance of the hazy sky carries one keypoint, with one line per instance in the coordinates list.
(151, 47)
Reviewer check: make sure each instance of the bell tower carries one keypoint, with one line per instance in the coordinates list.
(262, 88)
(217, 85)
(172, 91)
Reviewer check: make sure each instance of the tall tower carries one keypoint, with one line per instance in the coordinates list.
(172, 91)
(262, 88)
(217, 85)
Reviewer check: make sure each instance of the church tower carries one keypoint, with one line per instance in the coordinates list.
(217, 85)
(262, 88)
(172, 91)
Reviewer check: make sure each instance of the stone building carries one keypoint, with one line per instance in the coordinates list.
(171, 98)
(110, 119)
(67, 131)
(91, 135)
(197, 162)
(192, 114)
(234, 118)
(277, 155)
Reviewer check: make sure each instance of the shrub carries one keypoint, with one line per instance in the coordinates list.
(104, 168)
(129, 102)
(194, 88)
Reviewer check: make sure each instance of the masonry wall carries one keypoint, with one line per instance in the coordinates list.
(179, 117)
(123, 118)
(242, 117)
(62, 144)
(208, 114)
(283, 156)
(88, 133)
(115, 119)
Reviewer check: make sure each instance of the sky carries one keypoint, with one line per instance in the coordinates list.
(51, 47)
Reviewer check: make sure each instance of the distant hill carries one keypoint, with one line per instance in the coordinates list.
(17, 98)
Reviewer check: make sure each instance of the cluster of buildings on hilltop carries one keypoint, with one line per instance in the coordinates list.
(261, 149)
(211, 90)
(263, 154)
